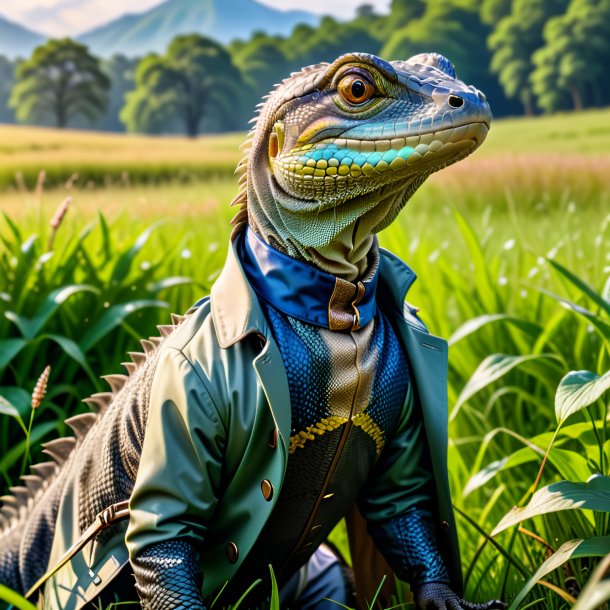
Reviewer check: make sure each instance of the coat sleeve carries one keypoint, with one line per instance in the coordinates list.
(402, 477)
(176, 488)
(398, 502)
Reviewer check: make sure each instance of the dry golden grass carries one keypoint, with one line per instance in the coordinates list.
(104, 159)
(148, 203)
(29, 145)
(529, 159)
(528, 174)
(112, 158)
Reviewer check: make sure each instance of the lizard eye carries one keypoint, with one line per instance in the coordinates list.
(355, 89)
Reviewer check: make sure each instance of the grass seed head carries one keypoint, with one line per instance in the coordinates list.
(40, 389)
(60, 213)
(42, 176)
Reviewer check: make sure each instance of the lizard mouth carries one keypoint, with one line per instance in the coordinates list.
(335, 169)
(415, 147)
(343, 158)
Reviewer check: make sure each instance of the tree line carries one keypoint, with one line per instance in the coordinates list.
(528, 56)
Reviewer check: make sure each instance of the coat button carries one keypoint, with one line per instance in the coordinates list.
(445, 525)
(232, 552)
(273, 438)
(267, 489)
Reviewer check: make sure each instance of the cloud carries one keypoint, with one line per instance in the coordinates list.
(342, 9)
(69, 17)
(72, 17)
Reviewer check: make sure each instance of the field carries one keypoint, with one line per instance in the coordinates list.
(512, 247)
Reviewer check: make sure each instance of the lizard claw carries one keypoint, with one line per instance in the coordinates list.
(439, 596)
(494, 604)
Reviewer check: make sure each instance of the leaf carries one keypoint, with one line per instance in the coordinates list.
(482, 278)
(11, 457)
(168, 282)
(105, 236)
(19, 398)
(606, 291)
(246, 593)
(112, 318)
(564, 495)
(582, 286)
(577, 390)
(274, 601)
(601, 325)
(471, 326)
(30, 327)
(123, 265)
(12, 226)
(14, 599)
(44, 258)
(597, 589)
(9, 348)
(73, 351)
(573, 549)
(491, 369)
(569, 464)
(28, 244)
(6, 408)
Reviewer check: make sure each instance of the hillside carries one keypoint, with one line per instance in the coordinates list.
(17, 41)
(223, 20)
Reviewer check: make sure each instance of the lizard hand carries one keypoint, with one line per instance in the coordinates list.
(438, 596)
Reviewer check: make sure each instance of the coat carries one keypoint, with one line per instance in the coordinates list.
(217, 437)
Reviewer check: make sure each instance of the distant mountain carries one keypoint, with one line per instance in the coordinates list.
(222, 20)
(17, 41)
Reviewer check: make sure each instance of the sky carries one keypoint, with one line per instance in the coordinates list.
(72, 17)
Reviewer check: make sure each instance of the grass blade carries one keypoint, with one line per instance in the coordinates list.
(573, 549)
(565, 495)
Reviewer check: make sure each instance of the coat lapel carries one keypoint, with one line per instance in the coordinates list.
(272, 376)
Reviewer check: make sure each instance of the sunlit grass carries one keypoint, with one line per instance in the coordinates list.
(482, 237)
(578, 142)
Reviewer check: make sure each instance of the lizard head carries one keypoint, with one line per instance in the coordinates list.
(338, 149)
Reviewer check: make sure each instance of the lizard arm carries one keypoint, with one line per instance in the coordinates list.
(176, 488)
(403, 478)
(408, 542)
(168, 577)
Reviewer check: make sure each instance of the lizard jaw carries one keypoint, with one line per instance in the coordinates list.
(333, 170)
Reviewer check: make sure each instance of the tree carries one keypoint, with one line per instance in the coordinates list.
(516, 37)
(7, 77)
(121, 71)
(330, 39)
(569, 68)
(61, 80)
(366, 11)
(494, 10)
(454, 29)
(193, 81)
(403, 11)
(262, 63)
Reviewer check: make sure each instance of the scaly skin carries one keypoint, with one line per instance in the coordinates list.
(325, 174)
(327, 169)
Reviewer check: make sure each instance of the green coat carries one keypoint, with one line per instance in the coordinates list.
(219, 425)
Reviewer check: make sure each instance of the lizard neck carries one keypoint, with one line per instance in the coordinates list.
(339, 240)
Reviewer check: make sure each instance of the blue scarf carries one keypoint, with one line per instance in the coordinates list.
(303, 291)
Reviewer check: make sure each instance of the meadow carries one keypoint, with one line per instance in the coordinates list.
(512, 248)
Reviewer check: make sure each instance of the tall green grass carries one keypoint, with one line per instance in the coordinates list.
(517, 280)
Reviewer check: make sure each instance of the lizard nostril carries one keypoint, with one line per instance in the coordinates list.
(455, 101)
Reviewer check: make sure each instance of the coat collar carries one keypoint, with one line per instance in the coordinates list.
(302, 291)
(236, 311)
